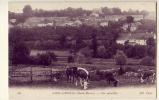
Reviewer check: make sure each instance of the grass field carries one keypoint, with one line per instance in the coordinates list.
(41, 77)
(41, 74)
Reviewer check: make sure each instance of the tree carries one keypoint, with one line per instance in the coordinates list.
(27, 11)
(120, 59)
(150, 41)
(87, 52)
(79, 57)
(147, 61)
(129, 20)
(62, 41)
(43, 59)
(79, 43)
(151, 48)
(116, 10)
(106, 11)
(101, 51)
(145, 13)
(94, 44)
(148, 25)
(19, 53)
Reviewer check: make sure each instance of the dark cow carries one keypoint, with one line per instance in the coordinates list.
(143, 74)
(57, 75)
(78, 74)
(108, 76)
(146, 74)
(122, 71)
(71, 73)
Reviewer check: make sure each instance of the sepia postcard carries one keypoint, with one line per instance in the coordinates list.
(82, 50)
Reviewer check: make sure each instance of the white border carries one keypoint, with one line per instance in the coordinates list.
(3, 50)
(4, 43)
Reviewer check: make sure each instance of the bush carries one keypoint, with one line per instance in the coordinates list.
(120, 58)
(136, 51)
(87, 52)
(151, 51)
(101, 52)
(79, 58)
(52, 56)
(147, 61)
(70, 59)
(43, 59)
(140, 51)
(19, 53)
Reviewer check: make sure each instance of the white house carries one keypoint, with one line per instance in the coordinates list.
(122, 17)
(12, 21)
(134, 38)
(133, 27)
(94, 14)
(104, 23)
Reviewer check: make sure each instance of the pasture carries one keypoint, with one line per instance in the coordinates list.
(41, 76)
(38, 75)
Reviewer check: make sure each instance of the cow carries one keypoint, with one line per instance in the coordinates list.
(107, 75)
(71, 73)
(57, 75)
(82, 76)
(132, 74)
(126, 70)
(75, 74)
(147, 75)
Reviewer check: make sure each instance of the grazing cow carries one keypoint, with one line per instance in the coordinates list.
(82, 76)
(122, 71)
(132, 74)
(145, 75)
(57, 75)
(78, 74)
(71, 73)
(107, 75)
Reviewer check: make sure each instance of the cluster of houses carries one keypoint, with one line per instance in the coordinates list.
(93, 20)
(135, 38)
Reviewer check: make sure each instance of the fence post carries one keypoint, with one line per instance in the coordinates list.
(31, 73)
(51, 75)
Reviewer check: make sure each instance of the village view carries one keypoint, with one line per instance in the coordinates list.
(104, 38)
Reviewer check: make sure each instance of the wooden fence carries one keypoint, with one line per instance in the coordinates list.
(31, 75)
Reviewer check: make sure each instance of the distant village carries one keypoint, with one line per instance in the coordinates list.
(95, 20)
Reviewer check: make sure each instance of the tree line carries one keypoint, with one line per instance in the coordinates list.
(71, 12)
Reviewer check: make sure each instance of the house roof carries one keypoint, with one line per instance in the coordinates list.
(137, 36)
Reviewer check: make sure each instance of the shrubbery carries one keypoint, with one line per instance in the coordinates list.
(18, 53)
(70, 59)
(136, 51)
(43, 59)
(120, 58)
(147, 61)
(101, 52)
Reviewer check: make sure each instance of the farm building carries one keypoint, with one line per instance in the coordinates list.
(50, 21)
(122, 17)
(133, 27)
(12, 21)
(134, 38)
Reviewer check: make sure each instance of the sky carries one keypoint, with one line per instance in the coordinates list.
(17, 6)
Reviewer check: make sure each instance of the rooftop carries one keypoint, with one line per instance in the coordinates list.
(137, 36)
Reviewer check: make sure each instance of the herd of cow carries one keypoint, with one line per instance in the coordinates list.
(82, 76)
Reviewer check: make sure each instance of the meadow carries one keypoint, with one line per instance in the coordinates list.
(39, 75)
